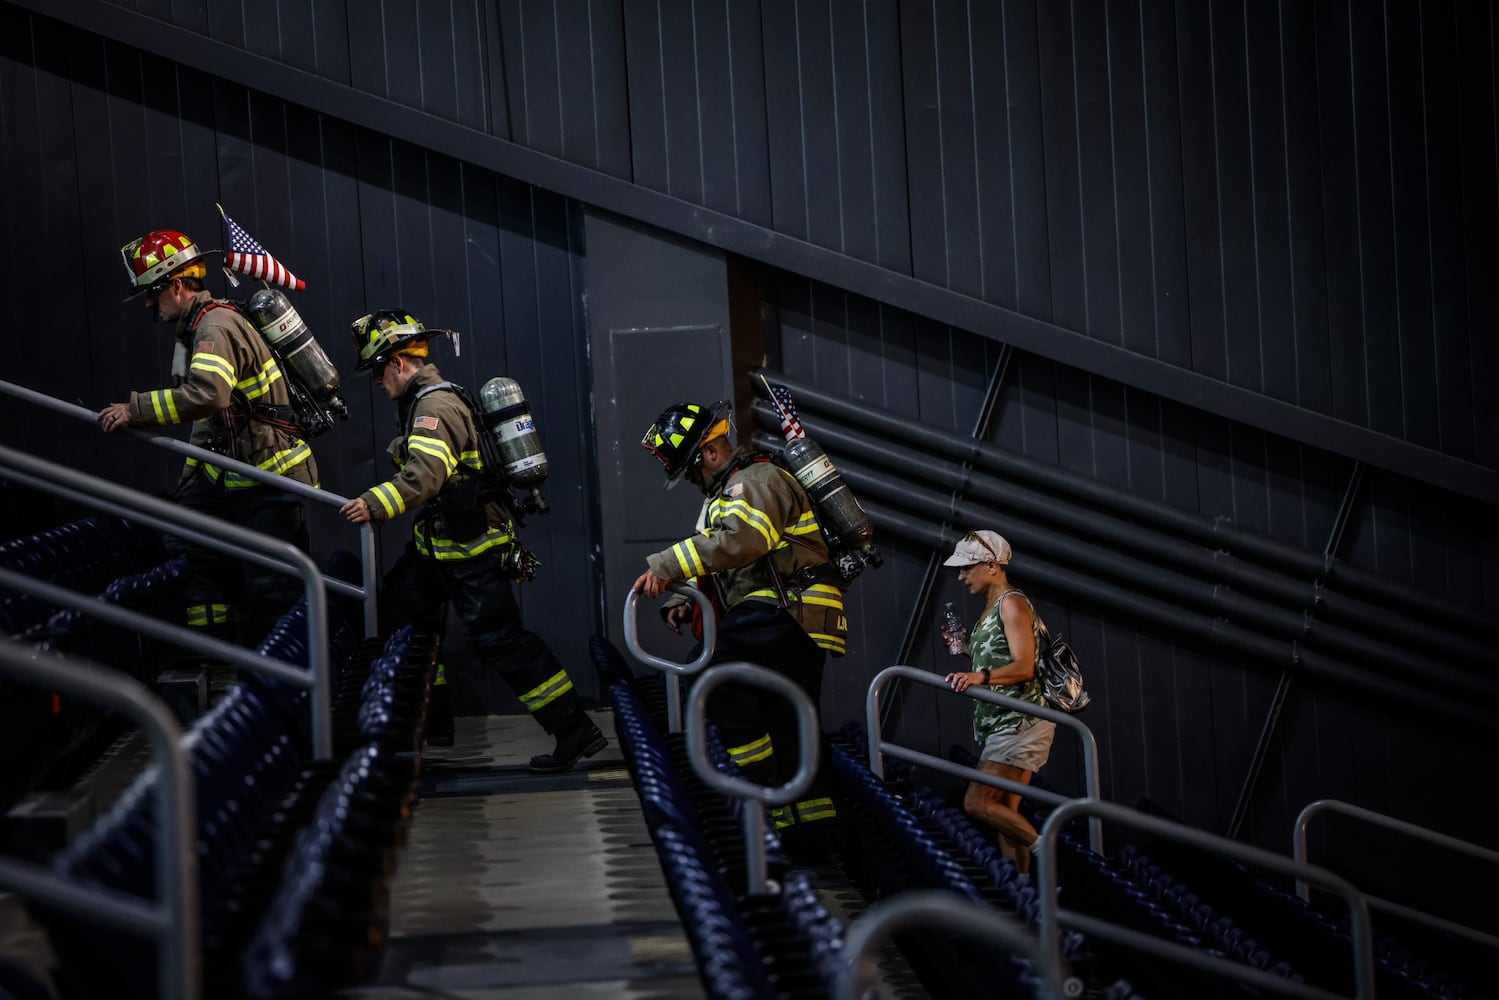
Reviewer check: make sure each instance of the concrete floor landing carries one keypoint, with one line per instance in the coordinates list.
(521, 885)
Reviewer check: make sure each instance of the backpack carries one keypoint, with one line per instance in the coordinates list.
(305, 416)
(1057, 669)
(1060, 673)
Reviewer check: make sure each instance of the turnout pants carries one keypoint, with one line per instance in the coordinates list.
(231, 597)
(758, 727)
(416, 592)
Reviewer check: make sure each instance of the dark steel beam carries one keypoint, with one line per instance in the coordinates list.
(1067, 347)
(1287, 676)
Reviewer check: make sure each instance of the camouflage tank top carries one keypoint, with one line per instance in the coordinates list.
(990, 650)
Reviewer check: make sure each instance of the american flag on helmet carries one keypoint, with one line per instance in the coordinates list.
(249, 257)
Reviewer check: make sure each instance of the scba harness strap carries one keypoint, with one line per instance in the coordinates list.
(461, 503)
(788, 589)
(282, 418)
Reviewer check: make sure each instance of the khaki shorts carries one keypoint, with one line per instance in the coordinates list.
(1027, 748)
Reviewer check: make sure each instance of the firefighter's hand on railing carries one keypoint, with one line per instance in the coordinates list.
(356, 510)
(677, 615)
(649, 584)
(115, 417)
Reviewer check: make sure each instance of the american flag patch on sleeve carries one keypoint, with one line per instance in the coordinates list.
(204, 347)
(425, 423)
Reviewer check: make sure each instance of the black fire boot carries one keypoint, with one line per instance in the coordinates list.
(581, 739)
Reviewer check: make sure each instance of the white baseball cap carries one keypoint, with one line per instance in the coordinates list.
(983, 546)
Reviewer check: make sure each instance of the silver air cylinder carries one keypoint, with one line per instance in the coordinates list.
(835, 503)
(508, 416)
(284, 330)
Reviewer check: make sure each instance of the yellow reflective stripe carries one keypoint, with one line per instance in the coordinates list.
(212, 364)
(278, 463)
(287, 457)
(749, 515)
(805, 525)
(435, 447)
(751, 752)
(442, 676)
(831, 643)
(164, 406)
(390, 500)
(260, 383)
(446, 548)
(782, 817)
(547, 691)
(687, 558)
(203, 615)
(823, 594)
(809, 810)
(472, 459)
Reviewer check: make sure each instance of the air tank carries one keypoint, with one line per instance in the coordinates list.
(283, 329)
(508, 416)
(836, 505)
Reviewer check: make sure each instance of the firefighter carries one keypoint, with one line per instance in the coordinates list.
(463, 540)
(230, 387)
(758, 551)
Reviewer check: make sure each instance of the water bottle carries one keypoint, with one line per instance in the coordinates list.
(953, 631)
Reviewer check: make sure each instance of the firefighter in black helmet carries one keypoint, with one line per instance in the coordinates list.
(758, 551)
(463, 540)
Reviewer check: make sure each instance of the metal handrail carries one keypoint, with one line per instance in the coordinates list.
(368, 556)
(1299, 852)
(209, 532)
(173, 917)
(1053, 916)
(947, 910)
(878, 747)
(755, 797)
(672, 668)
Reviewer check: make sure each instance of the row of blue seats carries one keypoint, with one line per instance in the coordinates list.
(324, 927)
(1270, 929)
(257, 794)
(245, 753)
(779, 944)
(1095, 885)
(1318, 943)
(84, 556)
(894, 852)
(728, 963)
(40, 727)
(1109, 894)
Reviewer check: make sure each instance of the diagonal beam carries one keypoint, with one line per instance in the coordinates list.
(1048, 340)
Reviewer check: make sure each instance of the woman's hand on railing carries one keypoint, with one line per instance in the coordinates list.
(961, 682)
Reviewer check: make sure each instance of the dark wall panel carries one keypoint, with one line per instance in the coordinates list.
(1238, 189)
(1298, 200)
(135, 143)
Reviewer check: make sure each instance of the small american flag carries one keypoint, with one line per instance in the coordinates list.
(248, 257)
(780, 397)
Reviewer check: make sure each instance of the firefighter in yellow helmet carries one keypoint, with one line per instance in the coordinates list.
(463, 547)
(229, 387)
(759, 552)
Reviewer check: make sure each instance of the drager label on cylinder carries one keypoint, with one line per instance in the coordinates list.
(529, 462)
(512, 429)
(814, 472)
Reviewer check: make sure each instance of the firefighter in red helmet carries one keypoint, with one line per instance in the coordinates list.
(229, 387)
